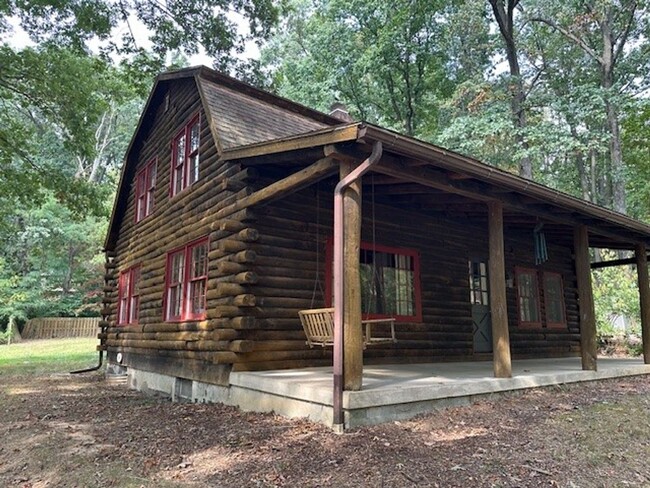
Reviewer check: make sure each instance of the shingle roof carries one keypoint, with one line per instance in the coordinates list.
(242, 119)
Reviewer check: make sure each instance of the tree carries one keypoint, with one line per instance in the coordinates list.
(383, 60)
(611, 34)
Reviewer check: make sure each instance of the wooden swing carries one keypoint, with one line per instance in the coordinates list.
(318, 323)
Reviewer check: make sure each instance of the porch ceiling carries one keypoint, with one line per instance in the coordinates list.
(432, 180)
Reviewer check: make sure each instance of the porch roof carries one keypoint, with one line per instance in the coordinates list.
(434, 180)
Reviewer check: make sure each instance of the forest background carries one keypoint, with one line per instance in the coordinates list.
(557, 92)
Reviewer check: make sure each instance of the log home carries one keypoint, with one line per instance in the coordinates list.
(237, 209)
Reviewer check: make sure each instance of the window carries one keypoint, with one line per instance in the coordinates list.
(144, 190)
(553, 299)
(478, 283)
(187, 278)
(528, 297)
(129, 296)
(390, 282)
(185, 156)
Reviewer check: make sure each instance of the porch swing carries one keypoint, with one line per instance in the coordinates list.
(318, 323)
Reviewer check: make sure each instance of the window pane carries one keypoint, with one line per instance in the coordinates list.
(180, 151)
(151, 186)
(528, 297)
(197, 297)
(194, 137)
(199, 260)
(174, 307)
(387, 283)
(193, 169)
(177, 268)
(553, 298)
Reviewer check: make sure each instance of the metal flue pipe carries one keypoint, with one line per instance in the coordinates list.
(339, 284)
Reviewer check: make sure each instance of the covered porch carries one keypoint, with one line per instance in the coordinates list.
(451, 211)
(400, 391)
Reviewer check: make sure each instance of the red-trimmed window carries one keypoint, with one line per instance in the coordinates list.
(129, 296)
(185, 156)
(144, 190)
(390, 282)
(554, 300)
(528, 297)
(186, 282)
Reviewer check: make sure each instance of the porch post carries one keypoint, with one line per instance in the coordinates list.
(352, 330)
(585, 298)
(644, 297)
(498, 306)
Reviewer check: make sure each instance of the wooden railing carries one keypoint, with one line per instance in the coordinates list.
(56, 327)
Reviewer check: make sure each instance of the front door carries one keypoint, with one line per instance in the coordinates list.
(480, 300)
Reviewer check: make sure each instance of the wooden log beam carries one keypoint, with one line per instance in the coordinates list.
(498, 302)
(292, 183)
(352, 329)
(440, 180)
(585, 299)
(615, 262)
(644, 298)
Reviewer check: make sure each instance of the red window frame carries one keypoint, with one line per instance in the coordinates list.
(397, 251)
(530, 324)
(128, 305)
(549, 274)
(182, 282)
(144, 190)
(185, 157)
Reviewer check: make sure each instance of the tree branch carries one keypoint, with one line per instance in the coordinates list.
(580, 42)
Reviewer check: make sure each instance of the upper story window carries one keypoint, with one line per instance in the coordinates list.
(128, 306)
(554, 299)
(185, 156)
(144, 190)
(390, 282)
(528, 297)
(187, 279)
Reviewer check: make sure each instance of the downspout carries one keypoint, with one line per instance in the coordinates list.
(94, 368)
(339, 284)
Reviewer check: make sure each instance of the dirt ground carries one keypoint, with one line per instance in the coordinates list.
(64, 431)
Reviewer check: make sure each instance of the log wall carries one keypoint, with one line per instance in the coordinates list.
(198, 350)
(291, 248)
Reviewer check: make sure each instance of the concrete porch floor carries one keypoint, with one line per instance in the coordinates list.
(399, 391)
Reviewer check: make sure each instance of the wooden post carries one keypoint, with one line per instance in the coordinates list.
(498, 304)
(585, 299)
(352, 330)
(644, 297)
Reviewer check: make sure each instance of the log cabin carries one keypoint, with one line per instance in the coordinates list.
(237, 209)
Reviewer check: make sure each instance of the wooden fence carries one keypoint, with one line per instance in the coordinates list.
(50, 327)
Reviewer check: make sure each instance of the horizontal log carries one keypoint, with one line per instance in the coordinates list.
(242, 346)
(247, 256)
(225, 268)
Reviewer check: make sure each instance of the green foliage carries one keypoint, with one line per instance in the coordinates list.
(636, 134)
(615, 293)
(50, 263)
(383, 60)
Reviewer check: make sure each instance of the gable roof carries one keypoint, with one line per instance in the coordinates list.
(238, 114)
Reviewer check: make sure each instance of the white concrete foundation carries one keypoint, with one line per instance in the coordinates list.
(390, 392)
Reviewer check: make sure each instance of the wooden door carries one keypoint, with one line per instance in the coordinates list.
(480, 300)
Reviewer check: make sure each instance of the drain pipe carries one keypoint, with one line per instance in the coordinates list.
(94, 368)
(339, 285)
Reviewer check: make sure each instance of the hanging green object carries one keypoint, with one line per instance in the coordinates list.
(541, 252)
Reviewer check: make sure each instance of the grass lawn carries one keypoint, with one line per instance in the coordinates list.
(47, 356)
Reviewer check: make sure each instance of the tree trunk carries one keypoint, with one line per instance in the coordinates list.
(613, 126)
(505, 19)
